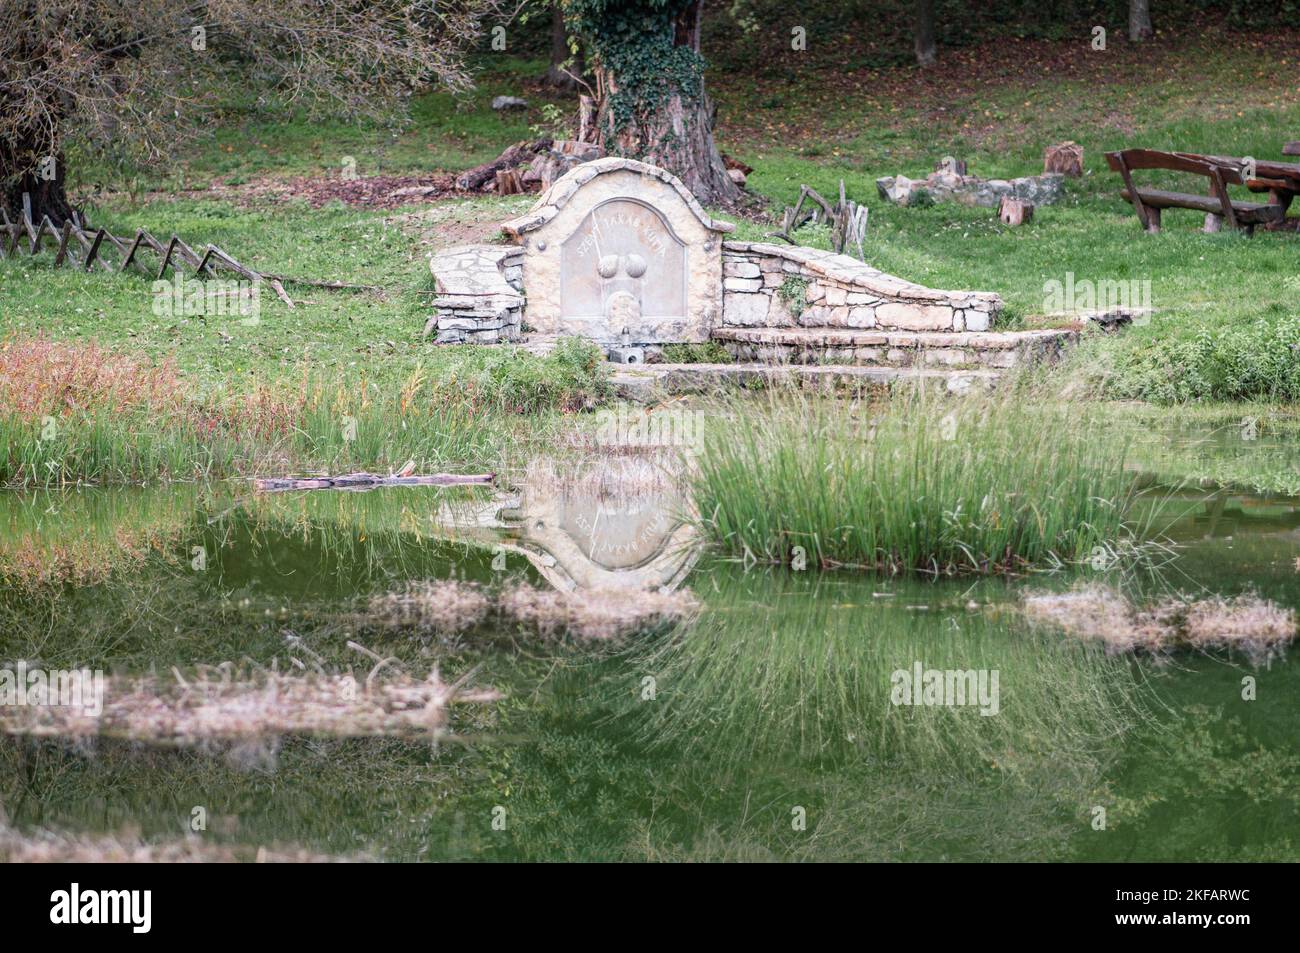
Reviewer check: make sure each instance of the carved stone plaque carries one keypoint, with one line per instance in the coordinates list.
(624, 264)
(620, 252)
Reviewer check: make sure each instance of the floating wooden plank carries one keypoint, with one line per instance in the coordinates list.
(368, 481)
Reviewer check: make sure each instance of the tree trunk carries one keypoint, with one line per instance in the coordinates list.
(556, 75)
(675, 132)
(923, 29)
(1139, 20)
(23, 171)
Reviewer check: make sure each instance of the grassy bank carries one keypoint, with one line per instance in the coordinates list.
(76, 412)
(1226, 327)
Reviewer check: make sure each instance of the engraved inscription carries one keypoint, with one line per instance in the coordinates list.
(623, 264)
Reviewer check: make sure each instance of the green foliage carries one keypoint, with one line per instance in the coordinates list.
(634, 41)
(1259, 360)
(794, 292)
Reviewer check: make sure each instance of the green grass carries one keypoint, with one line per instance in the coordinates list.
(1226, 329)
(483, 410)
(944, 487)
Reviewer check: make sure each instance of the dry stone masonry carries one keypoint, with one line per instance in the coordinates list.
(620, 252)
(946, 186)
(479, 294)
(784, 286)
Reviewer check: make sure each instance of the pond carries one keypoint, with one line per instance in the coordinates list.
(765, 727)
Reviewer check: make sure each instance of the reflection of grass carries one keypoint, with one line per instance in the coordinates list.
(83, 536)
(800, 673)
(1253, 446)
(929, 485)
(780, 700)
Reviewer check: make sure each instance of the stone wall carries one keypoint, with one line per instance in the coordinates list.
(770, 285)
(479, 294)
(943, 186)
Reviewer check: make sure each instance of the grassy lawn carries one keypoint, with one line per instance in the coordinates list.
(1227, 306)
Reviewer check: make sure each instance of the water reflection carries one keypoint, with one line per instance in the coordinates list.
(597, 525)
(777, 699)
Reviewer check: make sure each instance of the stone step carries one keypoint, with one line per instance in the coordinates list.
(649, 383)
(844, 346)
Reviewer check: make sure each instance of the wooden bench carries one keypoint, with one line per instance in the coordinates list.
(1291, 148)
(1218, 206)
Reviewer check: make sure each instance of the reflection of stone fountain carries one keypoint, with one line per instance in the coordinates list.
(581, 535)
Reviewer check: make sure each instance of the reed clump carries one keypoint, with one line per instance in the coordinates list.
(220, 705)
(939, 485)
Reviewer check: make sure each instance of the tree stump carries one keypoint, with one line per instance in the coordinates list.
(1014, 211)
(1064, 157)
(508, 182)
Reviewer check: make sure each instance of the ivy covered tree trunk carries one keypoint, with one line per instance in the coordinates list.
(651, 103)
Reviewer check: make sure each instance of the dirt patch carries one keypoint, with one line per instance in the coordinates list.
(375, 191)
(468, 222)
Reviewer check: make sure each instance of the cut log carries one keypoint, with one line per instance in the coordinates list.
(949, 164)
(476, 178)
(1064, 157)
(1014, 211)
(366, 481)
(508, 182)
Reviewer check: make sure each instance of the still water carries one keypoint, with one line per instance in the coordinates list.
(763, 729)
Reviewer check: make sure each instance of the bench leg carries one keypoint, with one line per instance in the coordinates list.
(1213, 222)
(1153, 219)
(1249, 230)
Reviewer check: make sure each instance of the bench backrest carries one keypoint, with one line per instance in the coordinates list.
(1132, 159)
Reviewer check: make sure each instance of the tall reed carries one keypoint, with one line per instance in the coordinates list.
(939, 485)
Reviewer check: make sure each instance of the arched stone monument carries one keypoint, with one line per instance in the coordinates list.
(620, 252)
